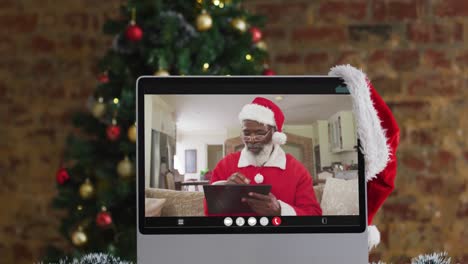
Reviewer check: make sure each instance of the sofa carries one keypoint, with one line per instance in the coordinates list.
(336, 197)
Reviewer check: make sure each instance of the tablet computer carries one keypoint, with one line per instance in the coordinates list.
(189, 124)
(227, 199)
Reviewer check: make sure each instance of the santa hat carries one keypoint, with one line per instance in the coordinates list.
(266, 112)
(379, 135)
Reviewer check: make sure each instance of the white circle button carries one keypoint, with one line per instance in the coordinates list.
(240, 221)
(252, 221)
(264, 221)
(228, 221)
(259, 178)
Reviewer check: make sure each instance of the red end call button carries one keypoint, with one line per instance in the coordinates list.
(276, 221)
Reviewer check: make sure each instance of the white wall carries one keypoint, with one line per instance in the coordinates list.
(234, 131)
(197, 140)
(163, 118)
(300, 130)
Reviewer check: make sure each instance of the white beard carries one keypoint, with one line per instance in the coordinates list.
(264, 155)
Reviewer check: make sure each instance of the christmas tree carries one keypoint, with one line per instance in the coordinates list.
(96, 180)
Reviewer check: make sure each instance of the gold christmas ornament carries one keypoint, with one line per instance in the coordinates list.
(204, 21)
(79, 237)
(161, 73)
(86, 190)
(239, 24)
(261, 45)
(132, 133)
(125, 168)
(99, 108)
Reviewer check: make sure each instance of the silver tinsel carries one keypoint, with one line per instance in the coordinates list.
(99, 258)
(93, 258)
(434, 258)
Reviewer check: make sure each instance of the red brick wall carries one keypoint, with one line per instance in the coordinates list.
(49, 51)
(415, 52)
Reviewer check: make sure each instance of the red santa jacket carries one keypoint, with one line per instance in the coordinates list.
(291, 186)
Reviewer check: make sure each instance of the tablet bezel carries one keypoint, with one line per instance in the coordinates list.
(258, 85)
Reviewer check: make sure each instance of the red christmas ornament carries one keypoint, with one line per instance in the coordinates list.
(103, 78)
(256, 34)
(268, 72)
(134, 33)
(113, 132)
(103, 219)
(62, 176)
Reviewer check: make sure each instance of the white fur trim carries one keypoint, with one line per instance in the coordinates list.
(257, 113)
(277, 158)
(373, 237)
(246, 159)
(287, 209)
(371, 134)
(279, 138)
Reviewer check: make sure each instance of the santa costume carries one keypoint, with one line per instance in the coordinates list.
(379, 135)
(291, 182)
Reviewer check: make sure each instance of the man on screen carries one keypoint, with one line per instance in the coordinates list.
(263, 161)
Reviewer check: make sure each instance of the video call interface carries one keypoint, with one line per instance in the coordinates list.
(250, 161)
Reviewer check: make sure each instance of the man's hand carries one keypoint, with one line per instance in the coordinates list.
(263, 204)
(238, 178)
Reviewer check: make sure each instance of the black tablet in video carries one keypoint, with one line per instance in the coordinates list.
(227, 199)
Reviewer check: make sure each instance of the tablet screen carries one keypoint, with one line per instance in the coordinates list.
(199, 137)
(230, 199)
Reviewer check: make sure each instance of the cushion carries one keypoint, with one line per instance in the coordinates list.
(318, 190)
(178, 203)
(153, 206)
(340, 197)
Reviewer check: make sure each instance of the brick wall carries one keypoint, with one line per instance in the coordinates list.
(47, 71)
(415, 52)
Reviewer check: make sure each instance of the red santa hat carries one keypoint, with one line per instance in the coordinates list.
(266, 112)
(379, 135)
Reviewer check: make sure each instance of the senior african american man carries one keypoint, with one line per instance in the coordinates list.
(263, 161)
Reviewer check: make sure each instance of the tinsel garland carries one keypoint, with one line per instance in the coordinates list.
(93, 258)
(434, 258)
(99, 258)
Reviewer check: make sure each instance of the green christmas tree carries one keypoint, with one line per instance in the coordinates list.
(96, 181)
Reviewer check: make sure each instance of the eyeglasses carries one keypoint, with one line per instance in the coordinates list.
(256, 137)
